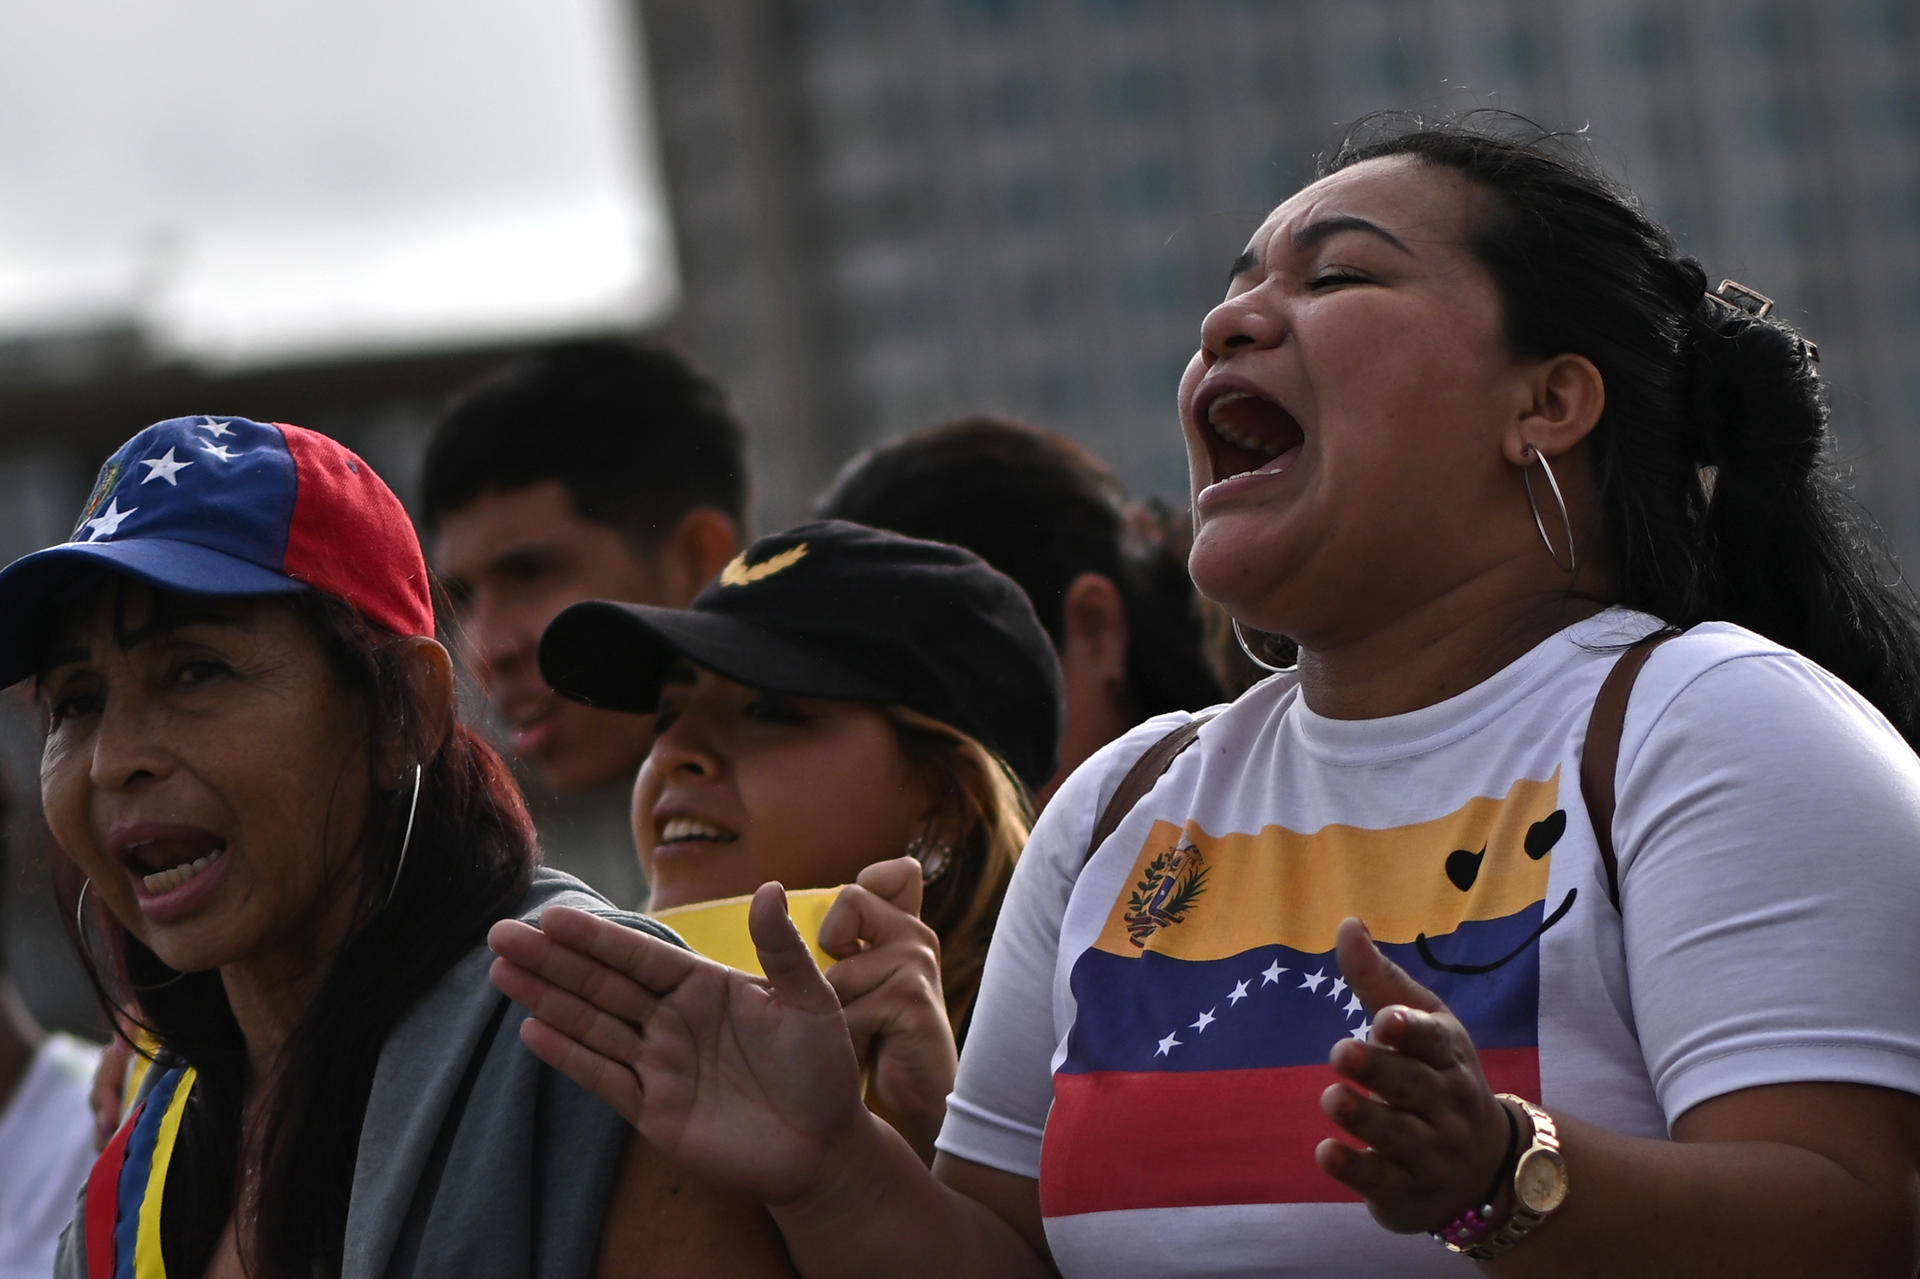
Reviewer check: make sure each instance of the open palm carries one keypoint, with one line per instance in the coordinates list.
(744, 1080)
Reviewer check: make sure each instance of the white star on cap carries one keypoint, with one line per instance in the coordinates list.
(218, 450)
(163, 468)
(214, 427)
(107, 523)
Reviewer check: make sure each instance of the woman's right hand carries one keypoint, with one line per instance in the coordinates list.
(744, 1080)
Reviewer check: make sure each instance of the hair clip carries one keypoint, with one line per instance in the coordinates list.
(1736, 296)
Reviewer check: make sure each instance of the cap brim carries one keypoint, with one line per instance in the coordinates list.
(618, 656)
(34, 585)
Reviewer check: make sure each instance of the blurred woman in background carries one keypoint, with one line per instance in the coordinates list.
(1107, 576)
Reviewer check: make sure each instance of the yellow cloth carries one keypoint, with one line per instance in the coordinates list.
(718, 929)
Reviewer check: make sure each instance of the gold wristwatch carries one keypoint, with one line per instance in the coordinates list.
(1539, 1184)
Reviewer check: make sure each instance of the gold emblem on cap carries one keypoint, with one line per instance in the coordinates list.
(741, 573)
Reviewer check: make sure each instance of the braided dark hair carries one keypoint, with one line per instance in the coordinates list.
(1712, 460)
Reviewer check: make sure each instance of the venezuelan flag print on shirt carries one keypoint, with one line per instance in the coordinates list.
(1208, 1004)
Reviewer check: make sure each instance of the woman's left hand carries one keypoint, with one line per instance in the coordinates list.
(1433, 1133)
(888, 980)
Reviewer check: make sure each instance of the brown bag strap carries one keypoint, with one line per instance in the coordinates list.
(1140, 779)
(1600, 757)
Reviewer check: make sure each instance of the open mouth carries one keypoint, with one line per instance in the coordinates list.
(691, 830)
(165, 866)
(1248, 432)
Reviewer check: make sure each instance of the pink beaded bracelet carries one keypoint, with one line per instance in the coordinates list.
(1475, 1224)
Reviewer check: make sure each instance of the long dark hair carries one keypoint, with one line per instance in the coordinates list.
(469, 861)
(1712, 461)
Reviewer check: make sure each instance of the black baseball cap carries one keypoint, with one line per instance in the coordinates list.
(833, 609)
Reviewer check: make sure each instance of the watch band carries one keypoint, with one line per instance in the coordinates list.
(1546, 1138)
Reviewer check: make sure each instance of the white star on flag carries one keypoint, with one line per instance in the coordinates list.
(1272, 973)
(218, 450)
(163, 468)
(1206, 1019)
(1167, 1045)
(1361, 1032)
(1353, 1006)
(1336, 990)
(1313, 983)
(214, 427)
(107, 523)
(1239, 992)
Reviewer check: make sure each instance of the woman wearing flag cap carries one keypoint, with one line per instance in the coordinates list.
(842, 706)
(1507, 928)
(293, 849)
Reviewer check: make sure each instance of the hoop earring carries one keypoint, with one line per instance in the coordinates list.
(1526, 477)
(86, 951)
(1241, 639)
(406, 838)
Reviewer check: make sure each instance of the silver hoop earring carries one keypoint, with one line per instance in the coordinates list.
(1240, 638)
(934, 856)
(406, 838)
(86, 951)
(1526, 477)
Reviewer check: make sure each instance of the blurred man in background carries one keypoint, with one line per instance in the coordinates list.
(596, 470)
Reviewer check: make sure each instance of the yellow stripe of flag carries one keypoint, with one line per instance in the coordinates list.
(1395, 879)
(147, 1261)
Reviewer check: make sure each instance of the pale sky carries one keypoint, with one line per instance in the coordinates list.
(259, 181)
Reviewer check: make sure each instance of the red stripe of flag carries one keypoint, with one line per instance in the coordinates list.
(1173, 1139)
(103, 1199)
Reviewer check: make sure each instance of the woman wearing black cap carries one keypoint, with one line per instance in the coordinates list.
(843, 706)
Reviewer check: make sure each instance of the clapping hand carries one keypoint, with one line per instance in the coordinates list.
(742, 1079)
(1433, 1134)
(888, 981)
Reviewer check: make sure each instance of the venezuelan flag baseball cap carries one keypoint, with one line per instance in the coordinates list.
(214, 505)
(833, 609)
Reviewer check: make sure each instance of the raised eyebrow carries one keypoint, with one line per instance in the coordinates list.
(1315, 233)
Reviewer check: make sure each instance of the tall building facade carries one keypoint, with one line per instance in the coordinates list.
(894, 211)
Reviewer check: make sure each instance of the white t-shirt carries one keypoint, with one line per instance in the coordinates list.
(1153, 1028)
(46, 1150)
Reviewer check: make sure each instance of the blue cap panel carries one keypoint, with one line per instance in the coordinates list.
(234, 480)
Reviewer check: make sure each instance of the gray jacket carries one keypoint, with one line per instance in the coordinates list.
(476, 1161)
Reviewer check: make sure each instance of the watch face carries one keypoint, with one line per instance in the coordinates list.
(1540, 1182)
